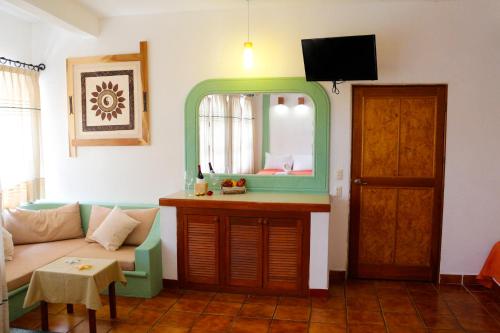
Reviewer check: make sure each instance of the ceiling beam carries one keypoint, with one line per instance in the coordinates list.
(70, 15)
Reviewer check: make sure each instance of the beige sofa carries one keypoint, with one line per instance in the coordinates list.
(29, 257)
(142, 265)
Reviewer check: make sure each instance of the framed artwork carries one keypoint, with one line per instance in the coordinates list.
(108, 100)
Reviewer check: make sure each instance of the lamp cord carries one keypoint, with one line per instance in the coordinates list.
(248, 20)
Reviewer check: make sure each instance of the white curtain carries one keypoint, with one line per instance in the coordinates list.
(213, 131)
(20, 170)
(242, 134)
(226, 133)
(4, 304)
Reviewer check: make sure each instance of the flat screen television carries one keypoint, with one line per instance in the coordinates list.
(349, 58)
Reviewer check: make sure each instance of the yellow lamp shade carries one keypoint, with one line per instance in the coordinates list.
(248, 55)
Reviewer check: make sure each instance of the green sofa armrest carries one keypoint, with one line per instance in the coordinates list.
(148, 254)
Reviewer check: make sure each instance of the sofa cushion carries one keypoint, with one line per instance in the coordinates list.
(114, 229)
(29, 257)
(144, 215)
(45, 225)
(125, 254)
(8, 244)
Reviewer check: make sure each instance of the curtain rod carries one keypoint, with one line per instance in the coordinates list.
(16, 63)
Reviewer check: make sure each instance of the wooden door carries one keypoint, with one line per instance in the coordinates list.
(398, 143)
(285, 262)
(199, 249)
(243, 251)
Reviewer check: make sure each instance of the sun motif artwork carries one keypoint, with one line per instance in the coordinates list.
(107, 101)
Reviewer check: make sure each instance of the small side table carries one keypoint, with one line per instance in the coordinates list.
(62, 282)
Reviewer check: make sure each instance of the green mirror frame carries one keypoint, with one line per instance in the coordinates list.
(318, 182)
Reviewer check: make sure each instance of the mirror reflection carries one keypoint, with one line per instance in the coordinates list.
(258, 133)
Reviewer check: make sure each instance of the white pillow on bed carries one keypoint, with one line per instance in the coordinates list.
(302, 162)
(282, 162)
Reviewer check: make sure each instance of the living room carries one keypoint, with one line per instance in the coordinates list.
(184, 51)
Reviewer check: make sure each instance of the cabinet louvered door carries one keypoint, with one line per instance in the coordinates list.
(201, 249)
(244, 251)
(283, 261)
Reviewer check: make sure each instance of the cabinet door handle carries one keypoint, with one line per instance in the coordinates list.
(265, 222)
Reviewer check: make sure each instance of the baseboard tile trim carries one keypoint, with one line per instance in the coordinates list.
(470, 280)
(318, 292)
(466, 279)
(170, 284)
(496, 290)
(337, 276)
(450, 279)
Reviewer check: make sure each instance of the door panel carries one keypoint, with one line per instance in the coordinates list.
(397, 181)
(201, 249)
(244, 251)
(417, 137)
(378, 223)
(413, 237)
(380, 139)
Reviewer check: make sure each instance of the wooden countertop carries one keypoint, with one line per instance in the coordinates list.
(252, 201)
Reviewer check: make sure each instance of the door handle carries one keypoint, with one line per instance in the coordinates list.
(359, 181)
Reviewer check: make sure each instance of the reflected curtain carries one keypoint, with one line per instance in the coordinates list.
(242, 134)
(213, 133)
(4, 302)
(226, 133)
(20, 168)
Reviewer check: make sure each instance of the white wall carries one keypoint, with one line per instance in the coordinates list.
(15, 38)
(291, 126)
(454, 42)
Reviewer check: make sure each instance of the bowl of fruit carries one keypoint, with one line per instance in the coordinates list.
(229, 186)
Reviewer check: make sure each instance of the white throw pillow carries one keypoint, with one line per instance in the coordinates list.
(302, 162)
(8, 244)
(114, 229)
(282, 162)
(144, 215)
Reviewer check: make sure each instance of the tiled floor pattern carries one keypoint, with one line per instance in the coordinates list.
(356, 306)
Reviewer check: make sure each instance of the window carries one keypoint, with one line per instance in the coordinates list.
(20, 172)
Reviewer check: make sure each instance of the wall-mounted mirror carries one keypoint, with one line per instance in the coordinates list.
(257, 133)
(274, 132)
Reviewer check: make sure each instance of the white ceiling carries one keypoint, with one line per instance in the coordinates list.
(108, 8)
(8, 8)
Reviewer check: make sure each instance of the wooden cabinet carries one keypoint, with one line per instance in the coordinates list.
(244, 251)
(200, 239)
(283, 253)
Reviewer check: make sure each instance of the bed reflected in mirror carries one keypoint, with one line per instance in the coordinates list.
(257, 133)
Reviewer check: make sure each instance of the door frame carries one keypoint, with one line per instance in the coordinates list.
(354, 202)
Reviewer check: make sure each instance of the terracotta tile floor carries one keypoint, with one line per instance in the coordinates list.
(356, 306)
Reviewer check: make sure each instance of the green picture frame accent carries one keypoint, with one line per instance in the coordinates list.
(317, 183)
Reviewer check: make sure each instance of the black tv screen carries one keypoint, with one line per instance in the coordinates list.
(348, 58)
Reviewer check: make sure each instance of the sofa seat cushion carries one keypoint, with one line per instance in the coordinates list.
(29, 257)
(125, 254)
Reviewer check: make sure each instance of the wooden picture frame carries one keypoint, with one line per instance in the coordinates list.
(108, 100)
